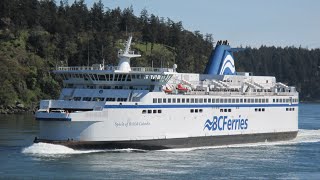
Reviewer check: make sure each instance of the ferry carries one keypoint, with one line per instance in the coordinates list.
(115, 107)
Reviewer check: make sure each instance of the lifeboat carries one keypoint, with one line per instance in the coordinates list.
(180, 88)
(167, 90)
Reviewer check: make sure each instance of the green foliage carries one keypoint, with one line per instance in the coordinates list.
(36, 36)
(297, 67)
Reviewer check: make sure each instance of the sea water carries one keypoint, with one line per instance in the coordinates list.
(295, 159)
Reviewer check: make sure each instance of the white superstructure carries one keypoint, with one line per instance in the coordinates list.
(156, 108)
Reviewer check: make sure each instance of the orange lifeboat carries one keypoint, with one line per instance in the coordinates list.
(180, 88)
(167, 90)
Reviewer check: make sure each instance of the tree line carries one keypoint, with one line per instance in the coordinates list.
(36, 36)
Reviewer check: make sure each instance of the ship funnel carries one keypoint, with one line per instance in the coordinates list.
(221, 60)
(124, 57)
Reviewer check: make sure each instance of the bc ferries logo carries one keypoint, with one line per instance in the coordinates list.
(227, 66)
(222, 123)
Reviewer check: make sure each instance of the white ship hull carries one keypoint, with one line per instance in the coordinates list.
(175, 127)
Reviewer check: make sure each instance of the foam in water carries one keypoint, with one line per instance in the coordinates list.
(53, 149)
(46, 149)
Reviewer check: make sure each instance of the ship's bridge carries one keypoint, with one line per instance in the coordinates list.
(99, 76)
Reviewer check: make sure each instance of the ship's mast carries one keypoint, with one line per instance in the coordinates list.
(124, 57)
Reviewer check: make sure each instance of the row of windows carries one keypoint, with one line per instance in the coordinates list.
(149, 111)
(259, 109)
(115, 77)
(218, 100)
(196, 110)
(290, 109)
(225, 110)
(99, 99)
(284, 100)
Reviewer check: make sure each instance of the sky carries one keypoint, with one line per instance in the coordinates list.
(241, 22)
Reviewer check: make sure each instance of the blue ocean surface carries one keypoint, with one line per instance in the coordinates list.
(296, 159)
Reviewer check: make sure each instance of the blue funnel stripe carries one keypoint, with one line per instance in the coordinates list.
(227, 71)
(221, 61)
(228, 63)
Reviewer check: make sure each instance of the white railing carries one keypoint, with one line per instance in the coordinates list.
(77, 68)
(113, 68)
(226, 93)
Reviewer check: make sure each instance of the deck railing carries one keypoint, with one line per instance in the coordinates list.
(114, 68)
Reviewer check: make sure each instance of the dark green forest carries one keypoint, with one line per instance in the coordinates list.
(36, 36)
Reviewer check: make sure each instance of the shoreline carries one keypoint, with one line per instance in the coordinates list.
(8, 110)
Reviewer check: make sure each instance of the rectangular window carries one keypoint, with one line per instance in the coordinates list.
(102, 77)
(200, 110)
(188, 100)
(200, 100)
(178, 100)
(169, 100)
(229, 100)
(205, 100)
(233, 100)
(196, 110)
(192, 110)
(159, 111)
(196, 100)
(159, 100)
(173, 100)
(213, 100)
(154, 111)
(149, 111)
(86, 99)
(144, 111)
(192, 100)
(164, 100)
(237, 100)
(76, 98)
(209, 100)
(183, 100)
(267, 100)
(154, 100)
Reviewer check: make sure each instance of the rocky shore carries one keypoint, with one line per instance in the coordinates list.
(16, 109)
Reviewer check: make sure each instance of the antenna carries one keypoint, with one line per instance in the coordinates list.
(88, 52)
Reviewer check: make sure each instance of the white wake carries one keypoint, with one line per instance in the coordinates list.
(46, 149)
(53, 149)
